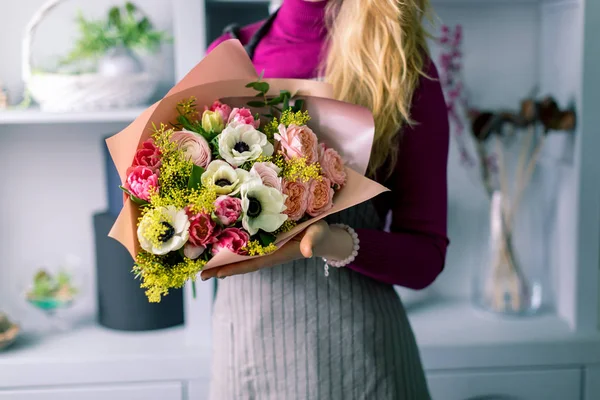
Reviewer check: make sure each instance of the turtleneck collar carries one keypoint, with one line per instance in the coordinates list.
(300, 20)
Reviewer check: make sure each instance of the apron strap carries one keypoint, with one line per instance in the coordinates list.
(234, 31)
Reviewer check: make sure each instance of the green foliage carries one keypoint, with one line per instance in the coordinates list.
(278, 104)
(194, 181)
(124, 26)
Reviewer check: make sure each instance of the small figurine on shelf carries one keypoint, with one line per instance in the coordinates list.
(3, 97)
(8, 331)
(49, 292)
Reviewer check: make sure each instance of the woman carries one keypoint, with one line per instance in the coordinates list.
(290, 332)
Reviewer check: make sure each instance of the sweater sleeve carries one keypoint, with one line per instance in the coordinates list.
(413, 252)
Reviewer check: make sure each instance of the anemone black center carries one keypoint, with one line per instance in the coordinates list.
(254, 207)
(241, 147)
(168, 233)
(222, 182)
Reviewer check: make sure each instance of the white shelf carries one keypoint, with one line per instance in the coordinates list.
(453, 335)
(92, 354)
(35, 116)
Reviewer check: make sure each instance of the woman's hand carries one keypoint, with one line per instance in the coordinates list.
(318, 240)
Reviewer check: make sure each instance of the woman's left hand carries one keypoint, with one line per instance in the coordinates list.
(318, 240)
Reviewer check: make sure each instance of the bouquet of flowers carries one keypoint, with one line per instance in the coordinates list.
(210, 182)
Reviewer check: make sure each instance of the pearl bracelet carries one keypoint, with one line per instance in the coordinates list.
(351, 257)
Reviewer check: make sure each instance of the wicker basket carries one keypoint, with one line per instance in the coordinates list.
(83, 92)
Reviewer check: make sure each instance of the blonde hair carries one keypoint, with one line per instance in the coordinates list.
(376, 54)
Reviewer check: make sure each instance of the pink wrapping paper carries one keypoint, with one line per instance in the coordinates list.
(223, 74)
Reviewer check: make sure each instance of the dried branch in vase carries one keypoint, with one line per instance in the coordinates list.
(451, 78)
(507, 288)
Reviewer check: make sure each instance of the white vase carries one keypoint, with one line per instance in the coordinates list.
(119, 61)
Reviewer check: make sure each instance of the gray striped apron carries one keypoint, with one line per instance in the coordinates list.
(290, 332)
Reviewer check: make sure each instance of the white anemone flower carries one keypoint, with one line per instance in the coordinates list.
(239, 143)
(163, 230)
(262, 207)
(227, 180)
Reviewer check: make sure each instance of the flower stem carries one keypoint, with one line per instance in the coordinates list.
(194, 289)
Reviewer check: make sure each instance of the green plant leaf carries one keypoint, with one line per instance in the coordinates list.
(265, 238)
(262, 87)
(194, 181)
(130, 7)
(114, 17)
(134, 198)
(214, 145)
(298, 105)
(256, 103)
(275, 101)
(286, 98)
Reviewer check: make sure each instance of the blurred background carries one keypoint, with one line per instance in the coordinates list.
(515, 313)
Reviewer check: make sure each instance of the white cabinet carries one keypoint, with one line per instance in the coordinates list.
(158, 391)
(560, 384)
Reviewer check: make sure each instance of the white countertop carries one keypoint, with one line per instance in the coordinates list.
(451, 335)
(93, 354)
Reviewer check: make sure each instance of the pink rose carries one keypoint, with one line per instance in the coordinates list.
(268, 174)
(148, 156)
(298, 141)
(320, 197)
(297, 199)
(221, 108)
(243, 116)
(140, 181)
(194, 146)
(332, 165)
(232, 239)
(228, 209)
(202, 229)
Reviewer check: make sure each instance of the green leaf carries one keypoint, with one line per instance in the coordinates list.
(256, 103)
(130, 7)
(262, 87)
(134, 198)
(194, 180)
(274, 101)
(286, 99)
(298, 105)
(265, 238)
(214, 145)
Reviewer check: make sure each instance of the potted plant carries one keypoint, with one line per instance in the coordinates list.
(102, 71)
(111, 43)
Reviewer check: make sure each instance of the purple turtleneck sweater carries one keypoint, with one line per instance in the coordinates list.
(413, 252)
